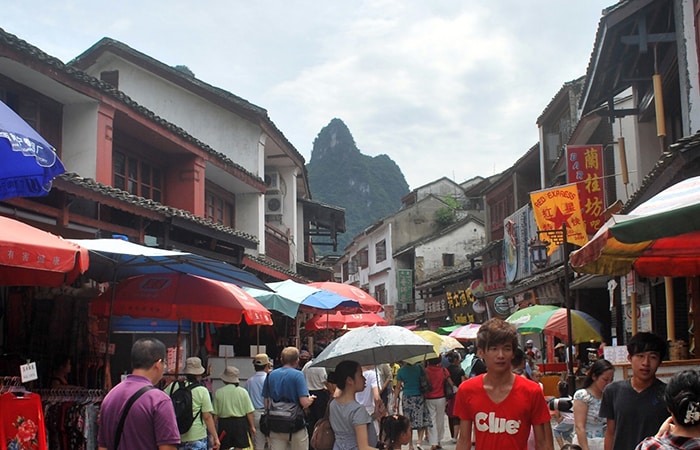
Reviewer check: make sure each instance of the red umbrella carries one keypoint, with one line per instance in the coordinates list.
(175, 296)
(32, 257)
(338, 320)
(367, 302)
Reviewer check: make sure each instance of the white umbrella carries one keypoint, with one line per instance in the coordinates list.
(373, 345)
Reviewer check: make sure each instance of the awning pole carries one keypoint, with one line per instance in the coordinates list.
(670, 313)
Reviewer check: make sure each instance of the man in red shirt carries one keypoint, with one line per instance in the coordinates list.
(500, 405)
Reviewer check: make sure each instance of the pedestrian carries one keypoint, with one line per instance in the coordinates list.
(385, 382)
(233, 411)
(589, 426)
(369, 397)
(408, 382)
(682, 429)
(254, 386)
(317, 382)
(202, 409)
(150, 422)
(436, 402)
(563, 431)
(350, 420)
(457, 375)
(635, 408)
(533, 352)
(287, 384)
(394, 432)
(502, 406)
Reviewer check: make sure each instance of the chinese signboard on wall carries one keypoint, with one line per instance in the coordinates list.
(584, 166)
(405, 285)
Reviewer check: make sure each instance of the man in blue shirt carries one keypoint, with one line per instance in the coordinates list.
(254, 386)
(288, 384)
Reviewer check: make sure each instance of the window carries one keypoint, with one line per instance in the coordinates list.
(219, 208)
(448, 259)
(363, 256)
(137, 177)
(380, 293)
(380, 251)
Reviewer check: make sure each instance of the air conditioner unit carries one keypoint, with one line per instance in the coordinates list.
(274, 204)
(272, 181)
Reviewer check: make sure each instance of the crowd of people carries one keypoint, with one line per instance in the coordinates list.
(488, 398)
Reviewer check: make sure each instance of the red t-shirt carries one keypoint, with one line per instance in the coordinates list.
(437, 376)
(22, 422)
(498, 426)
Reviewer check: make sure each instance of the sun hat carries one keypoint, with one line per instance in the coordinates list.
(193, 366)
(230, 374)
(560, 345)
(261, 359)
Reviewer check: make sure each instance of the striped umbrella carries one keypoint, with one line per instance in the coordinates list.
(659, 238)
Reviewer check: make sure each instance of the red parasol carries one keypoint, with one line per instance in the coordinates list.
(338, 321)
(175, 296)
(367, 302)
(32, 257)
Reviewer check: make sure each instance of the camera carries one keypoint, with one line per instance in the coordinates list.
(561, 404)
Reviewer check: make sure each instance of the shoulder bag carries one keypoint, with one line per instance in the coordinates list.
(323, 437)
(423, 382)
(122, 419)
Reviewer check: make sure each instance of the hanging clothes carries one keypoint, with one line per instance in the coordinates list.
(22, 423)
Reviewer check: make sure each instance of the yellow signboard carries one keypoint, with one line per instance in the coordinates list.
(556, 206)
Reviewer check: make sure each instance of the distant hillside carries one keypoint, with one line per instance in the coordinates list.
(369, 188)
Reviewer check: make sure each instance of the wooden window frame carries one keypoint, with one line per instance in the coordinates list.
(135, 181)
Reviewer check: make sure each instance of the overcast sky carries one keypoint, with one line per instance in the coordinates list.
(444, 87)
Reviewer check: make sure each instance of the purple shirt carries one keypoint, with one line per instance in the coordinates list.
(149, 423)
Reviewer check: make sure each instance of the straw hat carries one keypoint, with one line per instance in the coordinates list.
(230, 375)
(193, 366)
(559, 345)
(261, 359)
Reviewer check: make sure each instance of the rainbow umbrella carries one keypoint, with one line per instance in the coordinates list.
(584, 327)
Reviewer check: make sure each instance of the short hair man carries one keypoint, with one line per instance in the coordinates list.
(288, 384)
(254, 386)
(635, 407)
(151, 421)
(501, 405)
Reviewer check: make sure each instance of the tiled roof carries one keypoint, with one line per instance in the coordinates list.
(274, 266)
(166, 211)
(447, 275)
(689, 146)
(23, 47)
(576, 85)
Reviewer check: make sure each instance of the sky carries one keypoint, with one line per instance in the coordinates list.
(445, 88)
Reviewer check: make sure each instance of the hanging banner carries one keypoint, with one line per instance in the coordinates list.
(405, 285)
(557, 206)
(584, 166)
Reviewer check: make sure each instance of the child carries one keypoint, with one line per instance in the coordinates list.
(394, 431)
(571, 447)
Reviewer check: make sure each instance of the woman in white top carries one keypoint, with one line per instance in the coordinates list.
(590, 428)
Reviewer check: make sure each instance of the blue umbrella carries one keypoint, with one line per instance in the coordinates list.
(29, 163)
(116, 259)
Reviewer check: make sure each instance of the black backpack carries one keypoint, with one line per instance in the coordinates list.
(182, 402)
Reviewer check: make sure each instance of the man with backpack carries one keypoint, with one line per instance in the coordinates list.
(286, 396)
(193, 409)
(134, 415)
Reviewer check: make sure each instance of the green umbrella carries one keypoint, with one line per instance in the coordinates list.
(447, 330)
(584, 327)
(521, 316)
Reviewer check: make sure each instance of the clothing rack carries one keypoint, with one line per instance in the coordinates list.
(8, 384)
(71, 395)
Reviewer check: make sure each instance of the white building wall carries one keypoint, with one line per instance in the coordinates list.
(80, 138)
(462, 241)
(222, 130)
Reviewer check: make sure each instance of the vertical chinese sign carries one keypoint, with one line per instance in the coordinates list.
(405, 285)
(584, 166)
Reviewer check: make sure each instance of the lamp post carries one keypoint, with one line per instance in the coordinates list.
(538, 256)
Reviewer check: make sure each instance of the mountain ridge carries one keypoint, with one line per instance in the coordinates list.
(368, 187)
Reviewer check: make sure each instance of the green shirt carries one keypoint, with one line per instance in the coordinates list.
(232, 401)
(201, 401)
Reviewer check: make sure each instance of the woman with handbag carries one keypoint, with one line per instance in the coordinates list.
(435, 400)
(409, 381)
(349, 419)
